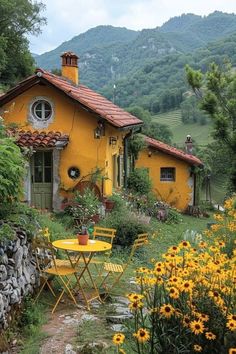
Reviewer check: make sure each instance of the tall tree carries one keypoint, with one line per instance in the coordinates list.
(216, 91)
(17, 19)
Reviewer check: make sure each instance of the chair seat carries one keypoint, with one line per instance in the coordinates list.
(112, 267)
(63, 270)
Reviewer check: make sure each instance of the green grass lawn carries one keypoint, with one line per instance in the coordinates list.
(200, 133)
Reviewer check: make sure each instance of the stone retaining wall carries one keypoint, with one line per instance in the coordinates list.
(18, 274)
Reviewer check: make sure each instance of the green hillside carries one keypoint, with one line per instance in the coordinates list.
(200, 133)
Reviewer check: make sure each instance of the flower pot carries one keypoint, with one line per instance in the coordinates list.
(109, 204)
(83, 239)
(95, 218)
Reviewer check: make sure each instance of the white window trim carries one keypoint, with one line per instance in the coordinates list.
(168, 179)
(37, 122)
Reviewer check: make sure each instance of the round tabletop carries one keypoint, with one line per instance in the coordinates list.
(73, 245)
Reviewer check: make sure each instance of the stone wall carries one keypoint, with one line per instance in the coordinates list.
(18, 274)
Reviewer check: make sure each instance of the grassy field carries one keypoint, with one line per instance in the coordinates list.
(200, 133)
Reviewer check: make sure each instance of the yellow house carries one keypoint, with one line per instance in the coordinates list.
(71, 130)
(171, 171)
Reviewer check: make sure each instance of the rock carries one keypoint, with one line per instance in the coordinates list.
(69, 349)
(4, 259)
(118, 327)
(3, 272)
(18, 257)
(118, 318)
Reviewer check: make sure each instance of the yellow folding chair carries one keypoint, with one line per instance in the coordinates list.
(49, 268)
(117, 270)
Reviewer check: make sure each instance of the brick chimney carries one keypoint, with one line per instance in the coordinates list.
(69, 67)
(189, 145)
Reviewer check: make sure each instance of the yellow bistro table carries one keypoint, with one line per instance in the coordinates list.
(86, 253)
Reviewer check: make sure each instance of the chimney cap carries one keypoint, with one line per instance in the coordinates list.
(69, 54)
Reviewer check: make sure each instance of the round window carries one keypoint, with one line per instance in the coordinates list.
(73, 172)
(42, 110)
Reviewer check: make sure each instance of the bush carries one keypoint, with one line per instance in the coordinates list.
(139, 181)
(127, 225)
(11, 170)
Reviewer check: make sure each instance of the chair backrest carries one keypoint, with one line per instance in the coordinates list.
(44, 253)
(140, 241)
(104, 233)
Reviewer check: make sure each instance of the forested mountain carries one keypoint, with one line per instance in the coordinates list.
(147, 67)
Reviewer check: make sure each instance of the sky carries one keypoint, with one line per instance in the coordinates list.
(68, 18)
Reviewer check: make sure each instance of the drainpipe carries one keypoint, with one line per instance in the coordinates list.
(126, 142)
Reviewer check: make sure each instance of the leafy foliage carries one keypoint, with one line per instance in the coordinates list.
(11, 170)
(217, 97)
(139, 181)
(18, 18)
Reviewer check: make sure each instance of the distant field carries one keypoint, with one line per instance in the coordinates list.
(200, 133)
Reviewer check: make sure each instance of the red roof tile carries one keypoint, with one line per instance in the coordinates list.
(40, 139)
(170, 150)
(82, 94)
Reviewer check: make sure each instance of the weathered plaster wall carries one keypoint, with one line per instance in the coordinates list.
(178, 193)
(18, 275)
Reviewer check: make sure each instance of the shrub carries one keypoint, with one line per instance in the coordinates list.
(139, 181)
(11, 170)
(84, 206)
(127, 225)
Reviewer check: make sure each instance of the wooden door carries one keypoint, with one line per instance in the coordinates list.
(41, 169)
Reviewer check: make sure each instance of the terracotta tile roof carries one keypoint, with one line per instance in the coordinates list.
(82, 94)
(40, 139)
(170, 150)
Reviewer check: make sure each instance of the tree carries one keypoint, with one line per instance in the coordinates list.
(18, 18)
(216, 91)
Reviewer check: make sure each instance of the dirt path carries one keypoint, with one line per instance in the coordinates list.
(61, 329)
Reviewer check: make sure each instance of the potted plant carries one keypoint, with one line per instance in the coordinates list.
(83, 236)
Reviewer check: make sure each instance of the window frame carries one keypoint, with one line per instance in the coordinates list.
(170, 174)
(43, 109)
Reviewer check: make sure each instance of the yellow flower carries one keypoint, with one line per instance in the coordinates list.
(232, 351)
(218, 217)
(187, 286)
(197, 348)
(142, 335)
(231, 317)
(210, 336)
(228, 203)
(184, 244)
(186, 321)
(174, 293)
(134, 306)
(231, 324)
(118, 338)
(167, 310)
(135, 297)
(231, 226)
(197, 327)
(215, 227)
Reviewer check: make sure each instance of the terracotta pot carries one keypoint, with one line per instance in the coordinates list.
(96, 218)
(109, 204)
(83, 239)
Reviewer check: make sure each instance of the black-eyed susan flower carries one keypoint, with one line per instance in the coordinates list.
(167, 310)
(197, 327)
(186, 321)
(231, 317)
(135, 297)
(142, 335)
(231, 324)
(184, 244)
(210, 336)
(187, 286)
(118, 338)
(197, 348)
(174, 293)
(232, 351)
(134, 306)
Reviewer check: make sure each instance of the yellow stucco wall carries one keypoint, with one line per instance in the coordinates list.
(82, 151)
(178, 193)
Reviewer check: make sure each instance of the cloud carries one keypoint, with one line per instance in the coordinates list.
(69, 18)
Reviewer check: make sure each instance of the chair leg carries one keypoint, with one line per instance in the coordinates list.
(113, 285)
(42, 287)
